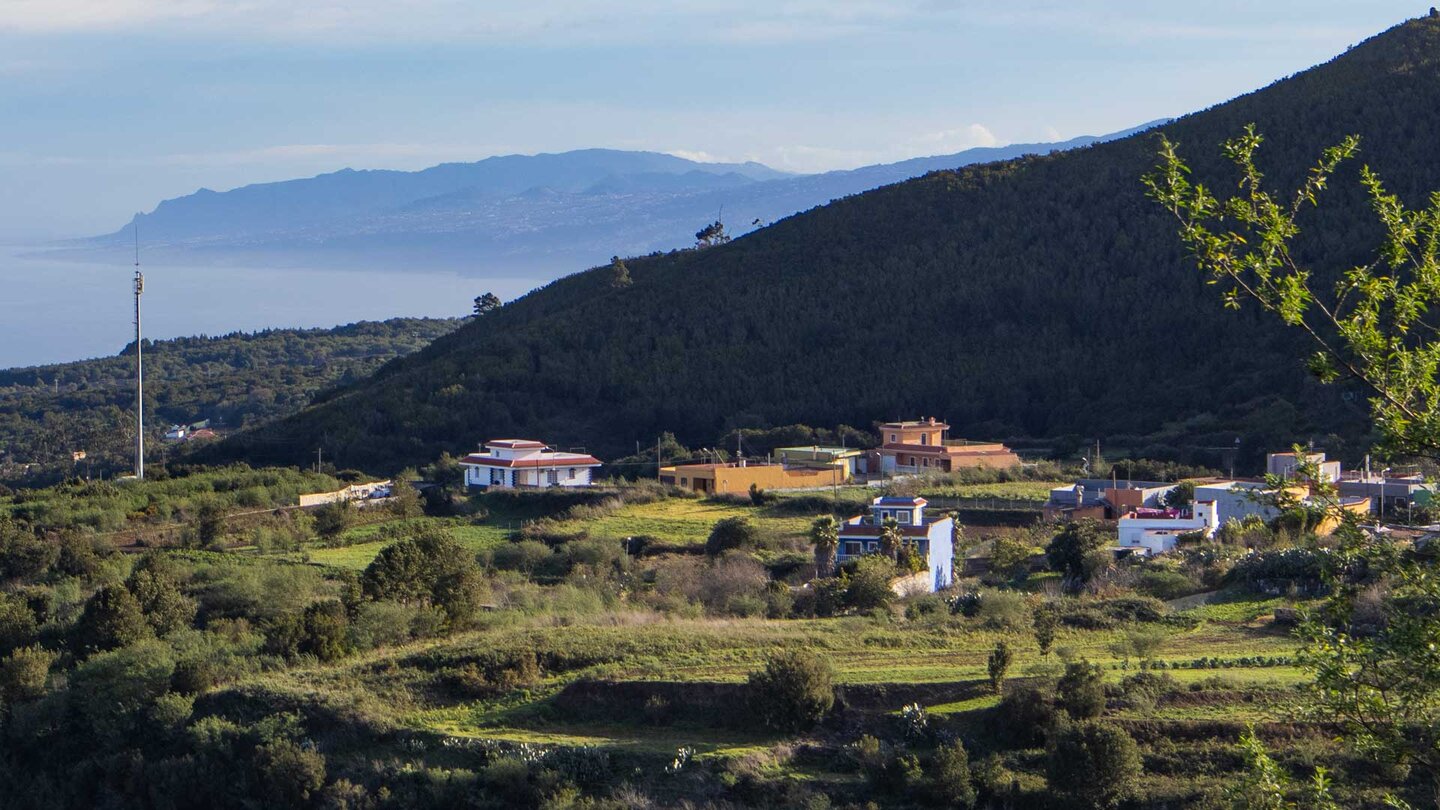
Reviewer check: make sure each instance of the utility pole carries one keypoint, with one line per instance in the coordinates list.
(139, 369)
(658, 463)
(319, 458)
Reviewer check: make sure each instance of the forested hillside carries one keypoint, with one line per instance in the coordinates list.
(234, 381)
(1042, 297)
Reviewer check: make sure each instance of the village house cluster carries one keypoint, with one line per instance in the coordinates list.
(1151, 520)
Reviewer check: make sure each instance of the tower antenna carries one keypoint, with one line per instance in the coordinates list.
(139, 368)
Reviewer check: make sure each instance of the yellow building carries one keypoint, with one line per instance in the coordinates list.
(739, 476)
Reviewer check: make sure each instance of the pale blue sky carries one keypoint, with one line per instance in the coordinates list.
(109, 106)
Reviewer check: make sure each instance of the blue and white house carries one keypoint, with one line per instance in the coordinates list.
(861, 535)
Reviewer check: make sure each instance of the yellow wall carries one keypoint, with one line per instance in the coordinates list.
(706, 478)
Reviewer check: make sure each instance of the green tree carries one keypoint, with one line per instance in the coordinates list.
(825, 538)
(154, 584)
(1093, 764)
(324, 631)
(1009, 559)
(950, 782)
(868, 588)
(208, 526)
(430, 567)
(1264, 785)
(23, 674)
(1081, 690)
(485, 304)
(288, 775)
(1070, 550)
(998, 665)
(1045, 622)
(1181, 496)
(404, 498)
(112, 618)
(793, 692)
(711, 235)
(17, 622)
(333, 518)
(731, 533)
(1372, 322)
(619, 273)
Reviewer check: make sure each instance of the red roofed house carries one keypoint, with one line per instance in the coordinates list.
(921, 447)
(525, 463)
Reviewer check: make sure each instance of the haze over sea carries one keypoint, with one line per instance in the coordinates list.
(56, 311)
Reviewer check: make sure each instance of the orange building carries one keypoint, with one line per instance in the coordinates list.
(922, 446)
(739, 476)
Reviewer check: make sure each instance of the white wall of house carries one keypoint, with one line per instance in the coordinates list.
(1159, 535)
(484, 476)
(1233, 500)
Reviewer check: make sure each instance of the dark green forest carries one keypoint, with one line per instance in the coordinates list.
(235, 381)
(1042, 297)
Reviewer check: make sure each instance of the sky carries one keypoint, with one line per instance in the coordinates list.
(109, 106)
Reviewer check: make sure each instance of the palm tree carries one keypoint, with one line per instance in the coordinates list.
(825, 536)
(890, 538)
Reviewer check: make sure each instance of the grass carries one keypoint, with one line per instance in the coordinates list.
(682, 521)
(1038, 491)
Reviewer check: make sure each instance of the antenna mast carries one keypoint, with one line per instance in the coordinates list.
(139, 369)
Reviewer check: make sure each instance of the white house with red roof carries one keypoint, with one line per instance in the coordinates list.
(861, 535)
(525, 463)
(1156, 531)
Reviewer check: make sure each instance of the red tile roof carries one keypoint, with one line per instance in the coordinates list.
(545, 460)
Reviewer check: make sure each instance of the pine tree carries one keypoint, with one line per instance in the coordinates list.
(619, 273)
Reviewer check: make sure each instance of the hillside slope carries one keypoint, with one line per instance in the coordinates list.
(234, 381)
(1041, 297)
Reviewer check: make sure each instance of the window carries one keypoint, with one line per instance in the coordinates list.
(903, 517)
(924, 438)
(892, 437)
(925, 461)
(854, 548)
(572, 473)
(871, 545)
(497, 476)
(553, 476)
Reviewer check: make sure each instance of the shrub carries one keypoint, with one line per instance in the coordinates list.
(112, 618)
(1093, 764)
(998, 665)
(1045, 622)
(1070, 550)
(287, 775)
(729, 534)
(153, 583)
(1167, 584)
(429, 568)
(1003, 610)
(868, 586)
(793, 692)
(23, 674)
(949, 777)
(17, 622)
(1023, 716)
(1081, 690)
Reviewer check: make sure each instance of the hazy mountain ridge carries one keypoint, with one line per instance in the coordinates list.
(542, 213)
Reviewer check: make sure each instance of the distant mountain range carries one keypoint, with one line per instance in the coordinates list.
(544, 215)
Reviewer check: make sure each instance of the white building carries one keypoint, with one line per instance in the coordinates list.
(1236, 500)
(1157, 531)
(525, 463)
(1284, 465)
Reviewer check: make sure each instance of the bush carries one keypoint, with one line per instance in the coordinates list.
(23, 674)
(1023, 716)
(729, 534)
(999, 665)
(1003, 610)
(949, 777)
(1081, 690)
(793, 692)
(868, 586)
(1093, 764)
(1167, 584)
(112, 618)
(287, 775)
